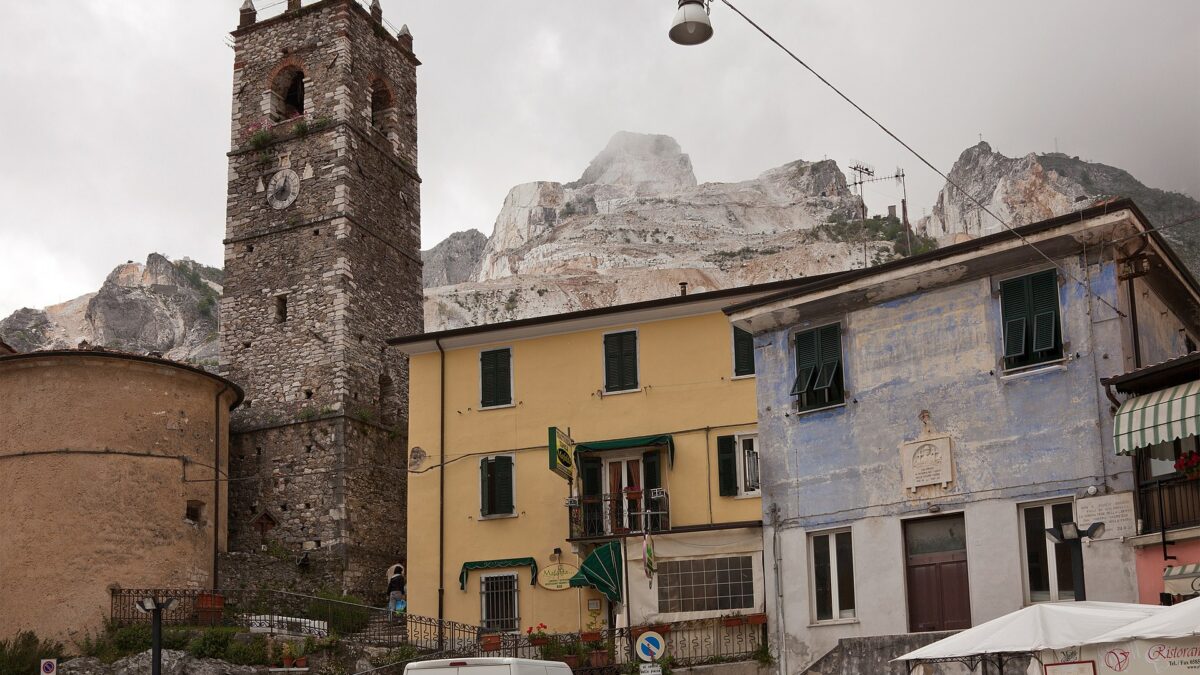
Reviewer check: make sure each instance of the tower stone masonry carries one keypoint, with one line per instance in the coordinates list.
(322, 265)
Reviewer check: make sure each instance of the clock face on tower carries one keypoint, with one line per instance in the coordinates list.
(283, 189)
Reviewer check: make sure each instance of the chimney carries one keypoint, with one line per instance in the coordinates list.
(682, 288)
(892, 211)
(247, 15)
(376, 11)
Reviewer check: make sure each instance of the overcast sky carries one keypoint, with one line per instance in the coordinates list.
(115, 114)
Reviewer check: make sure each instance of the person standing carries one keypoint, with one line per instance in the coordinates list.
(397, 592)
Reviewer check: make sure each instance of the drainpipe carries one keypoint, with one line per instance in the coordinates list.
(216, 518)
(441, 494)
(780, 607)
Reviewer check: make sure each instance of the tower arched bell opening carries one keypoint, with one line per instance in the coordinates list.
(287, 94)
(382, 104)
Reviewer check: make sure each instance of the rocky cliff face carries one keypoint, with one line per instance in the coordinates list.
(1023, 190)
(636, 223)
(454, 260)
(160, 306)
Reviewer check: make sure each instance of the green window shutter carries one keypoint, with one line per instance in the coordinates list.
(620, 361)
(806, 361)
(502, 479)
(1014, 310)
(495, 377)
(829, 342)
(1044, 292)
(590, 470)
(485, 494)
(727, 465)
(652, 467)
(629, 373)
(612, 362)
(743, 352)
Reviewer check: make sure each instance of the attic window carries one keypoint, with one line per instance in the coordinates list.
(195, 512)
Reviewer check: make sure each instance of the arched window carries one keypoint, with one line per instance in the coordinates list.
(381, 104)
(293, 100)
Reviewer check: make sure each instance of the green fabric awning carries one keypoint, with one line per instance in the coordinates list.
(662, 440)
(497, 564)
(1155, 418)
(602, 570)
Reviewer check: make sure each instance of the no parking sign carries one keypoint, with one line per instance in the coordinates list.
(49, 667)
(649, 646)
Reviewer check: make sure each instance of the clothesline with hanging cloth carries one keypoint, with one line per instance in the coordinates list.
(662, 440)
(497, 564)
(1163, 416)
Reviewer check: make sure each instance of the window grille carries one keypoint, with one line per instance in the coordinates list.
(499, 600)
(706, 585)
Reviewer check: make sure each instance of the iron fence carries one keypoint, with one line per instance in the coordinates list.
(628, 512)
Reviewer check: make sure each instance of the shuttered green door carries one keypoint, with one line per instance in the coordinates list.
(652, 466)
(743, 352)
(496, 486)
(727, 466)
(1030, 317)
(620, 361)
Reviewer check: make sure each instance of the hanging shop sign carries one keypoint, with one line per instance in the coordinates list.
(557, 577)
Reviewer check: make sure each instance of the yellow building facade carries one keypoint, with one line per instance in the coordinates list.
(659, 402)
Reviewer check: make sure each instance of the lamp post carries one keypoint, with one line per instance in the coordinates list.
(155, 607)
(1069, 533)
(691, 25)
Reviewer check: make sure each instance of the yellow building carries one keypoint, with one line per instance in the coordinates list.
(658, 398)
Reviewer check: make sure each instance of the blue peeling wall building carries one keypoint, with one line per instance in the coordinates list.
(924, 422)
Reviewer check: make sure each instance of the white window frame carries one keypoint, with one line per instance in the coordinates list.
(483, 618)
(833, 576)
(741, 464)
(622, 458)
(1008, 373)
(733, 356)
(604, 367)
(512, 378)
(1051, 549)
(479, 469)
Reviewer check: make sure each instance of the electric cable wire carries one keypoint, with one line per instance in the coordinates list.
(916, 154)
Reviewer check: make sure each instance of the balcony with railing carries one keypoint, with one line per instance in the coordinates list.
(1169, 504)
(617, 514)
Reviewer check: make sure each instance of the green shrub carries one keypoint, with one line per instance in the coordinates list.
(393, 656)
(211, 644)
(343, 618)
(130, 639)
(23, 653)
(247, 653)
(261, 139)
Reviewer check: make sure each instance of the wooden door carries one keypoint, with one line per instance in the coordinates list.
(938, 586)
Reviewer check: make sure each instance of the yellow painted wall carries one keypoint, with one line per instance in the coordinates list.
(687, 389)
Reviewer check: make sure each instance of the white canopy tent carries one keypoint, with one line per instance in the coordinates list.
(1179, 621)
(1029, 631)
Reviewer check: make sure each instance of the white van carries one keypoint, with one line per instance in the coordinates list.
(487, 666)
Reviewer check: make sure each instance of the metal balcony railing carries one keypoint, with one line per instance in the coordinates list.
(619, 513)
(1169, 504)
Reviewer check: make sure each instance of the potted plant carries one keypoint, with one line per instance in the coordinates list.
(1189, 465)
(574, 654)
(756, 619)
(552, 650)
(590, 636)
(489, 642)
(288, 655)
(537, 635)
(598, 656)
(301, 656)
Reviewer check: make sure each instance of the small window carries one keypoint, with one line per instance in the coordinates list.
(1049, 574)
(620, 361)
(195, 512)
(381, 104)
(832, 563)
(495, 378)
(293, 98)
(1029, 313)
(280, 308)
(499, 602)
(706, 585)
(496, 486)
(737, 465)
(819, 368)
(743, 353)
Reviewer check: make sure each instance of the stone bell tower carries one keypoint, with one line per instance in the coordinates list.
(322, 264)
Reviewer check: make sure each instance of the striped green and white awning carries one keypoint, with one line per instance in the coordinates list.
(1154, 418)
(1182, 579)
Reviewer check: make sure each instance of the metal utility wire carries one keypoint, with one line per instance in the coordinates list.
(1184, 221)
(916, 154)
